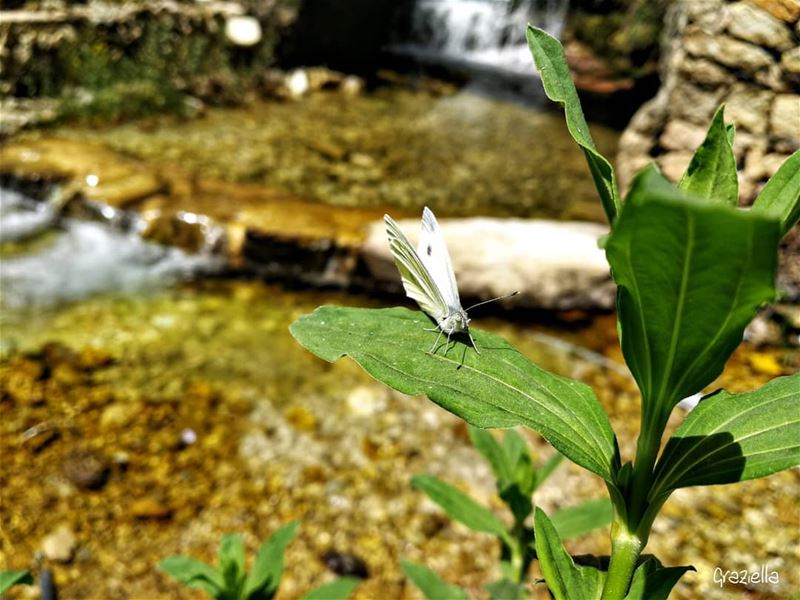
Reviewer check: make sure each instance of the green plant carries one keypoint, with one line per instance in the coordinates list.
(517, 480)
(692, 270)
(9, 579)
(230, 581)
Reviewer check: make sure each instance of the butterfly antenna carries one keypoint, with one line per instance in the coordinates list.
(492, 300)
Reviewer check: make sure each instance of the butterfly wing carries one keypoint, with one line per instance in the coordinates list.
(432, 250)
(420, 286)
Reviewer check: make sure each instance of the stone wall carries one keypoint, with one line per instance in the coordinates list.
(745, 54)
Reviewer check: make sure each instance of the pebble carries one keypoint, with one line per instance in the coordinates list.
(150, 508)
(87, 470)
(118, 415)
(344, 564)
(60, 544)
(366, 401)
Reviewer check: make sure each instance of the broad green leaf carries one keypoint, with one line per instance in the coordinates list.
(231, 562)
(711, 174)
(8, 579)
(548, 468)
(734, 437)
(430, 584)
(565, 579)
(575, 521)
(492, 451)
(341, 589)
(691, 275)
(551, 62)
(499, 388)
(194, 573)
(461, 507)
(265, 575)
(651, 581)
(506, 589)
(780, 197)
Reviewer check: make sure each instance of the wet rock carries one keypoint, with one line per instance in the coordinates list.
(59, 546)
(553, 265)
(150, 507)
(345, 564)
(755, 25)
(87, 470)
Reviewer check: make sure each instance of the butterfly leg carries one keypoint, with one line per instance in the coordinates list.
(472, 341)
(447, 344)
(436, 343)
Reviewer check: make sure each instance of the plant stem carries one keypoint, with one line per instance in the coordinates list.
(625, 549)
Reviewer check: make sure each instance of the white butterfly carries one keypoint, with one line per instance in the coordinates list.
(428, 277)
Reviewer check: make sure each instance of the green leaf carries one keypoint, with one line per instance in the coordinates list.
(651, 581)
(734, 437)
(498, 389)
(565, 580)
(194, 573)
(231, 563)
(506, 589)
(575, 521)
(691, 276)
(492, 451)
(551, 62)
(265, 575)
(780, 198)
(548, 469)
(430, 584)
(711, 174)
(461, 507)
(335, 590)
(8, 579)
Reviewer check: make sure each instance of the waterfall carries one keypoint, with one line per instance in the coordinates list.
(486, 34)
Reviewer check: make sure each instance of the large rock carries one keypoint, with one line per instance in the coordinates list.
(785, 120)
(759, 27)
(785, 10)
(694, 104)
(748, 107)
(554, 265)
(790, 60)
(727, 51)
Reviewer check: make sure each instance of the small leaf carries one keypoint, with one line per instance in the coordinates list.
(8, 579)
(265, 575)
(231, 563)
(565, 580)
(341, 589)
(780, 198)
(575, 521)
(734, 437)
(194, 573)
(461, 507)
(551, 62)
(499, 388)
(492, 451)
(430, 584)
(691, 276)
(711, 174)
(506, 589)
(548, 468)
(651, 581)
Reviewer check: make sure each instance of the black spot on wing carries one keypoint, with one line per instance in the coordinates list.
(429, 250)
